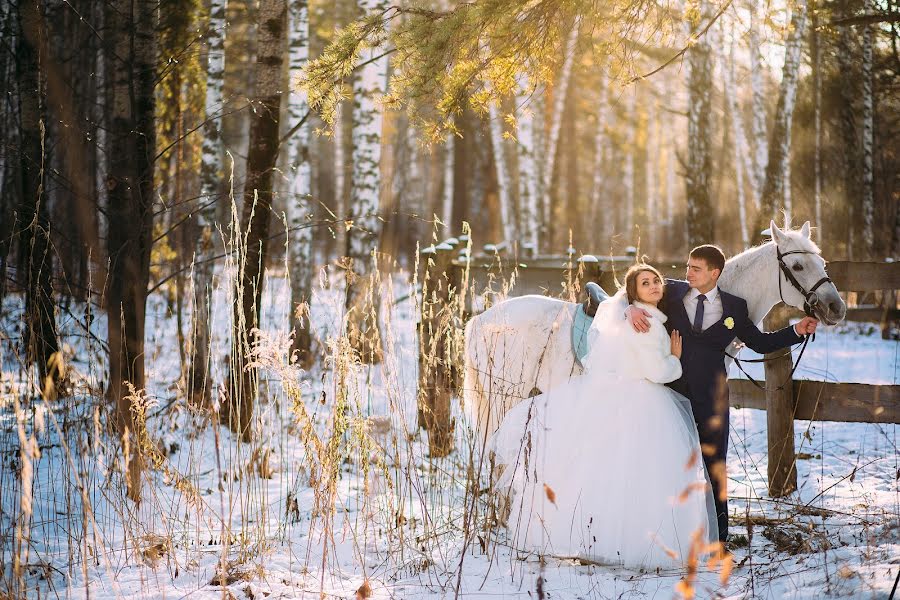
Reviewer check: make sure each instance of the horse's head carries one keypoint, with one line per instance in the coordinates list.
(804, 283)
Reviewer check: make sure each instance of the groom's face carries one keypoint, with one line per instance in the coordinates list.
(700, 275)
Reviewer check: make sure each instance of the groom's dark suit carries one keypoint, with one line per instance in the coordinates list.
(703, 379)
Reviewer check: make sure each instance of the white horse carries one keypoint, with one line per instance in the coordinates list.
(523, 345)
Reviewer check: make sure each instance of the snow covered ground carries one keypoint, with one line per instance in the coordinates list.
(262, 520)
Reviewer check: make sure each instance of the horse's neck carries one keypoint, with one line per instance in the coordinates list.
(753, 275)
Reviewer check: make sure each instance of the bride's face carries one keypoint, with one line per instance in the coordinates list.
(649, 287)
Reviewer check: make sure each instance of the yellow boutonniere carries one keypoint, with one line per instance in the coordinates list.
(729, 323)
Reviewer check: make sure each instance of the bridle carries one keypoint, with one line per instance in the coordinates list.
(810, 301)
(810, 298)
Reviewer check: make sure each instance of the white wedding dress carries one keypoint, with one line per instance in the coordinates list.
(607, 466)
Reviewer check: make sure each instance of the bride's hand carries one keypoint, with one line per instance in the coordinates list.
(676, 344)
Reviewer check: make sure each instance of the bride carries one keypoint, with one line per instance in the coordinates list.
(607, 466)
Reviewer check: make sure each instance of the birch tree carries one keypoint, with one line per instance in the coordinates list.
(758, 104)
(362, 299)
(698, 178)
(503, 179)
(447, 180)
(300, 239)
(628, 174)
(527, 136)
(816, 60)
(601, 144)
(742, 162)
(211, 171)
(238, 406)
(559, 103)
(775, 193)
(868, 140)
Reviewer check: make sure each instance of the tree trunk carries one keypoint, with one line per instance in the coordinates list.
(363, 240)
(300, 210)
(131, 60)
(504, 186)
(848, 133)
(758, 99)
(816, 59)
(868, 139)
(40, 339)
(628, 171)
(698, 179)
(776, 191)
(559, 102)
(447, 189)
(742, 163)
(599, 205)
(527, 136)
(211, 175)
(239, 405)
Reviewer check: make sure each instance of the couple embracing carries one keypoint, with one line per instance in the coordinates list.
(625, 464)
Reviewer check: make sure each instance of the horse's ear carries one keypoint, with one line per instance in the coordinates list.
(775, 232)
(805, 230)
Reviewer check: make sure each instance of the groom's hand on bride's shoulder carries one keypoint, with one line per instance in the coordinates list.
(806, 326)
(639, 318)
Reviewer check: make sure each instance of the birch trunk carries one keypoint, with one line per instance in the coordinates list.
(600, 208)
(447, 189)
(300, 240)
(651, 164)
(211, 172)
(362, 297)
(776, 192)
(628, 169)
(238, 406)
(559, 103)
(816, 51)
(758, 99)
(868, 139)
(503, 180)
(700, 218)
(528, 170)
(742, 163)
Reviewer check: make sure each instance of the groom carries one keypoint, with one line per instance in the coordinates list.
(708, 319)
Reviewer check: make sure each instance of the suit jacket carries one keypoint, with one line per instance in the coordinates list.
(703, 354)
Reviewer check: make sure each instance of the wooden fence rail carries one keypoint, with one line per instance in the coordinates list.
(561, 275)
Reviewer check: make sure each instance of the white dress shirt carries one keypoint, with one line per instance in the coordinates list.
(712, 311)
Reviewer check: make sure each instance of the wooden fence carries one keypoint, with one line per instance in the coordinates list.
(452, 280)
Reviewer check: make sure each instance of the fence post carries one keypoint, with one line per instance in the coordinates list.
(780, 416)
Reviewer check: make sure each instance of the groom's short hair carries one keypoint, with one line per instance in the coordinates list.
(713, 255)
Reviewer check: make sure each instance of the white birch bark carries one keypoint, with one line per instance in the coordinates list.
(559, 103)
(369, 85)
(447, 189)
(503, 180)
(528, 170)
(210, 186)
(698, 180)
(776, 192)
(299, 206)
(758, 99)
(600, 208)
(816, 52)
(628, 168)
(742, 162)
(340, 177)
(868, 135)
(651, 164)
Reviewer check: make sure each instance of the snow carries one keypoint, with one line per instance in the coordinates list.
(395, 517)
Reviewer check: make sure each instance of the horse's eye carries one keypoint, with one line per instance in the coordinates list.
(798, 267)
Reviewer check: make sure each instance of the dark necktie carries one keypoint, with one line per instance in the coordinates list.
(698, 316)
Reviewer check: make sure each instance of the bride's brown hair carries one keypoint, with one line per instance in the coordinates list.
(631, 279)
